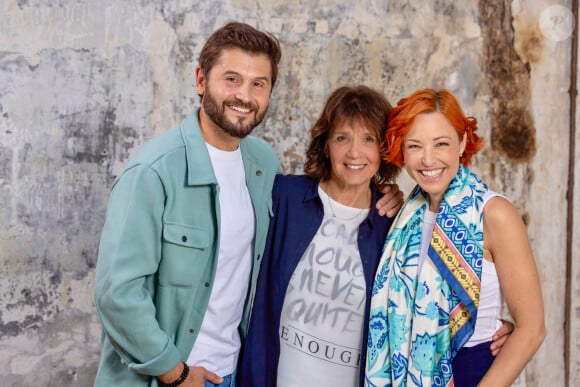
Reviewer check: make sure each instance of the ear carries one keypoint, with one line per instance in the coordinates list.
(463, 144)
(200, 81)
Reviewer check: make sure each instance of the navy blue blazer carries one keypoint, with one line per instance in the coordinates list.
(298, 214)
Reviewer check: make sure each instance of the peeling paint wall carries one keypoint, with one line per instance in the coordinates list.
(84, 83)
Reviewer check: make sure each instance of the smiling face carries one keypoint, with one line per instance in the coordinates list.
(431, 153)
(353, 150)
(235, 96)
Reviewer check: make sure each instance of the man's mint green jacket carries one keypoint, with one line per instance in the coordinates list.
(158, 251)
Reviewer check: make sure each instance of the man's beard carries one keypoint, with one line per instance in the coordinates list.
(217, 114)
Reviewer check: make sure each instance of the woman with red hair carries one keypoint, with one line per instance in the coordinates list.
(454, 253)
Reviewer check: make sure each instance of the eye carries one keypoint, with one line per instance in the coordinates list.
(340, 138)
(441, 144)
(370, 139)
(259, 85)
(232, 80)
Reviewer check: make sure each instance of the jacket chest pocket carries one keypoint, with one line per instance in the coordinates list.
(186, 255)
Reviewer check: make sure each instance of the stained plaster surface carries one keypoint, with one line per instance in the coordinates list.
(84, 83)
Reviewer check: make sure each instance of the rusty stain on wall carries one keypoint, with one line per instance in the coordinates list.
(507, 63)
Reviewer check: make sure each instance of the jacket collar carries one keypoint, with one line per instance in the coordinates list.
(199, 167)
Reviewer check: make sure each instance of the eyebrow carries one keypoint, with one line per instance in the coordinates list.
(230, 72)
(434, 139)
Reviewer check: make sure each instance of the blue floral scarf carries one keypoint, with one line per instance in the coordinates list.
(419, 321)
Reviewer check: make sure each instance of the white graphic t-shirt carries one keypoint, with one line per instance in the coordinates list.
(322, 320)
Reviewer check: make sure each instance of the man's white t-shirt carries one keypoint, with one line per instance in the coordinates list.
(218, 343)
(322, 321)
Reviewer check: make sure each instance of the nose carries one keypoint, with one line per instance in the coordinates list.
(354, 148)
(243, 92)
(427, 158)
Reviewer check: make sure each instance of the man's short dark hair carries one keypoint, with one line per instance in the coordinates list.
(244, 37)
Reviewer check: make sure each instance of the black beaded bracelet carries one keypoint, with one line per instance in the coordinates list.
(179, 380)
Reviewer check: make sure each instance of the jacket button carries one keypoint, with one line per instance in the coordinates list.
(191, 330)
(259, 256)
(207, 284)
(184, 238)
(258, 173)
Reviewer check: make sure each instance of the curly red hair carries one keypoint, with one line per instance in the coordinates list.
(428, 101)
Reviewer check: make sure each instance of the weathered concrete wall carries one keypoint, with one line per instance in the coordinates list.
(574, 321)
(84, 83)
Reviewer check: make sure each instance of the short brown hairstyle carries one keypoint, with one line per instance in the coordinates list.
(429, 101)
(348, 103)
(244, 37)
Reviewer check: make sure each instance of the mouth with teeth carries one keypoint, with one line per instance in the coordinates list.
(240, 107)
(431, 174)
(356, 167)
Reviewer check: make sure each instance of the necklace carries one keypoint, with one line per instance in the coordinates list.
(329, 200)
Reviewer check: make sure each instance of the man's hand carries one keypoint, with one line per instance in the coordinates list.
(391, 202)
(198, 375)
(500, 336)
